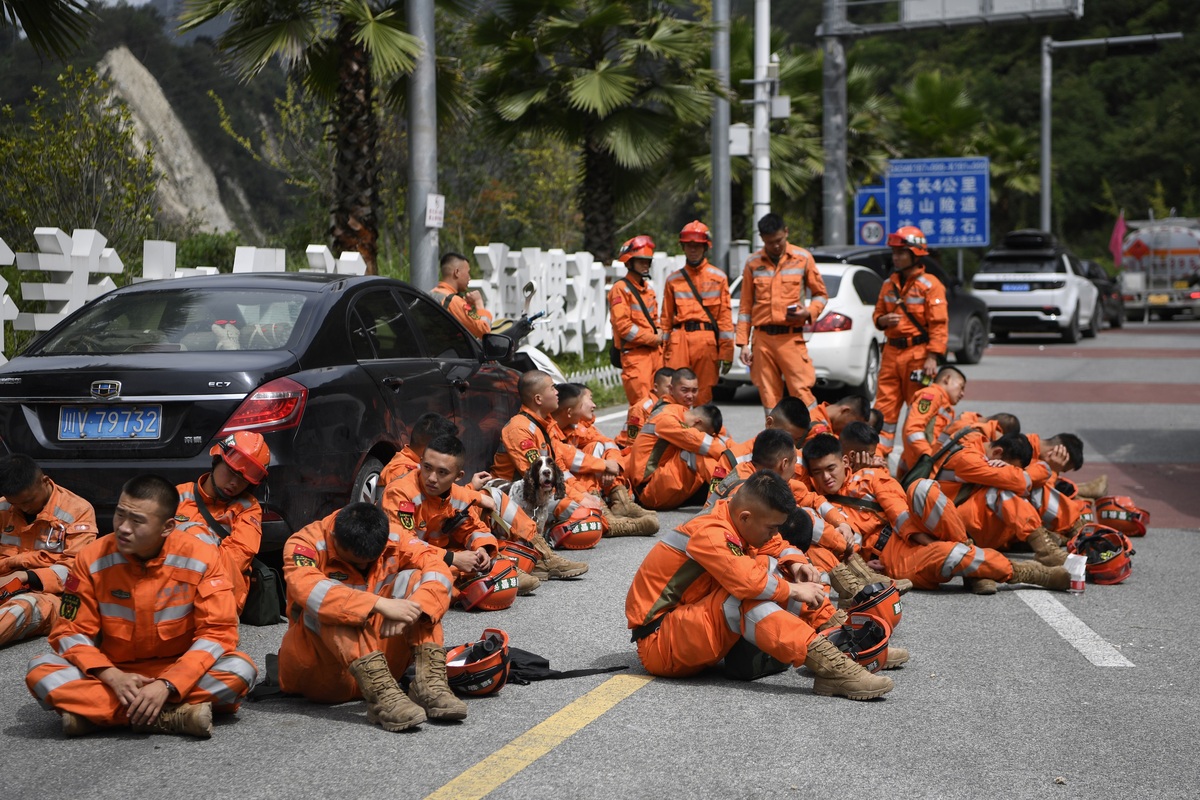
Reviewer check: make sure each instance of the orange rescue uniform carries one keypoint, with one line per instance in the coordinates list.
(930, 414)
(779, 356)
(695, 342)
(331, 609)
(45, 547)
(242, 519)
(171, 618)
(638, 414)
(404, 462)
(636, 335)
(477, 320)
(992, 500)
(409, 509)
(664, 459)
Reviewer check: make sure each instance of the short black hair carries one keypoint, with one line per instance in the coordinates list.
(663, 372)
(792, 411)
(948, 368)
(876, 420)
(820, 446)
(530, 384)
(1007, 422)
(362, 529)
(17, 473)
(1074, 447)
(448, 444)
(769, 490)
(771, 445)
(428, 427)
(449, 258)
(859, 435)
(568, 393)
(682, 374)
(713, 414)
(770, 223)
(1015, 447)
(153, 487)
(798, 530)
(858, 404)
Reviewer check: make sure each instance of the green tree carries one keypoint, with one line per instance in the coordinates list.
(621, 81)
(52, 26)
(937, 116)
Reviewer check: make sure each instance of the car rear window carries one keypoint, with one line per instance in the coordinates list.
(179, 320)
(1021, 265)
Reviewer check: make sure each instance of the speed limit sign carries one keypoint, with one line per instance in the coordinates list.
(871, 232)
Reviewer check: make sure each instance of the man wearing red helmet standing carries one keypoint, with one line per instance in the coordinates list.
(633, 309)
(696, 313)
(912, 312)
(239, 463)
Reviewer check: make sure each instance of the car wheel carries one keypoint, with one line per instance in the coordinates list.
(974, 341)
(1071, 333)
(870, 382)
(1097, 320)
(1118, 320)
(367, 488)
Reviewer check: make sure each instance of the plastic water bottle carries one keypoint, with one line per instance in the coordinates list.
(1077, 568)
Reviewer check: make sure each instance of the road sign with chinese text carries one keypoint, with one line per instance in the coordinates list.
(947, 198)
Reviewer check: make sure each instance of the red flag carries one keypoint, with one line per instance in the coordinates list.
(1118, 238)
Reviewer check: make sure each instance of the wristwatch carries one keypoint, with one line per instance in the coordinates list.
(170, 687)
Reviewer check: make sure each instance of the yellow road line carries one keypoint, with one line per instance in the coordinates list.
(539, 740)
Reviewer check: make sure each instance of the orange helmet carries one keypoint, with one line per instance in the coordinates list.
(1118, 511)
(480, 667)
(521, 554)
(495, 591)
(878, 601)
(246, 453)
(865, 642)
(581, 532)
(1108, 553)
(696, 231)
(637, 247)
(911, 237)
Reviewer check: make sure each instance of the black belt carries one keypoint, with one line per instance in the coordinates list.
(883, 538)
(776, 330)
(904, 344)
(642, 631)
(692, 327)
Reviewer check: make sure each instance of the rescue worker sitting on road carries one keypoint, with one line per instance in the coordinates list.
(640, 411)
(714, 580)
(833, 417)
(363, 602)
(633, 311)
(665, 459)
(239, 463)
(451, 292)
(428, 427)
(44, 528)
(147, 630)
(931, 413)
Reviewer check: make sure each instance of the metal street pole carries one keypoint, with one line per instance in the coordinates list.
(422, 148)
(1115, 45)
(722, 210)
(834, 119)
(761, 145)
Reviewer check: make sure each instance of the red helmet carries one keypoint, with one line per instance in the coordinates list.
(865, 643)
(877, 601)
(480, 667)
(581, 532)
(912, 237)
(637, 247)
(520, 554)
(1119, 512)
(696, 231)
(246, 453)
(1108, 553)
(495, 591)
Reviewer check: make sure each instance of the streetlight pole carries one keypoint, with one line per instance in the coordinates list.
(1115, 45)
(760, 148)
(722, 204)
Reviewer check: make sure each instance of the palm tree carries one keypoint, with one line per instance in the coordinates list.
(622, 80)
(343, 50)
(937, 116)
(52, 26)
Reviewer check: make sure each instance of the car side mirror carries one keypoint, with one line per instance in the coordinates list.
(497, 346)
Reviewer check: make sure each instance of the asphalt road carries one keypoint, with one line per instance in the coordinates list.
(1023, 694)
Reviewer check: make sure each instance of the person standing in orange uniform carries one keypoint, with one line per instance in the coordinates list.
(633, 310)
(451, 292)
(148, 627)
(782, 291)
(912, 311)
(696, 313)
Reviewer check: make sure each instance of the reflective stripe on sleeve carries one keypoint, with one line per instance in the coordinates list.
(754, 616)
(110, 560)
(953, 559)
(676, 540)
(74, 640)
(183, 562)
(312, 606)
(208, 646)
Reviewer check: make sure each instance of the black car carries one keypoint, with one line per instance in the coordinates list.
(1110, 293)
(968, 327)
(332, 370)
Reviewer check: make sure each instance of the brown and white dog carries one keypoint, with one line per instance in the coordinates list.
(540, 490)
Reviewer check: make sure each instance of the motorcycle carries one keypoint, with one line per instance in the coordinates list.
(502, 343)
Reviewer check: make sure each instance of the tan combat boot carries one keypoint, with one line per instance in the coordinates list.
(551, 566)
(896, 656)
(838, 675)
(981, 585)
(622, 504)
(623, 526)
(839, 618)
(862, 569)
(429, 688)
(387, 706)
(526, 583)
(845, 583)
(76, 725)
(1095, 488)
(1041, 575)
(1045, 550)
(182, 719)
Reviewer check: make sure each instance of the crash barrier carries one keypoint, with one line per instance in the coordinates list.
(572, 288)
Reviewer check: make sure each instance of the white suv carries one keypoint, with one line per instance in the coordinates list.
(1031, 283)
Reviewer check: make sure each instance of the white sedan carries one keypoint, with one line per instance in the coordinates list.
(844, 343)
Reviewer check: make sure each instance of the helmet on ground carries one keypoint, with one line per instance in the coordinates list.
(520, 554)
(912, 237)
(245, 453)
(1108, 553)
(495, 591)
(480, 667)
(581, 532)
(637, 247)
(1119, 512)
(696, 231)
(865, 643)
(877, 601)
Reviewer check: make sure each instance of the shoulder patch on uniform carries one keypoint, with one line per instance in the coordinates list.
(924, 404)
(69, 606)
(404, 512)
(532, 455)
(71, 584)
(526, 444)
(632, 430)
(181, 518)
(303, 550)
(735, 545)
(617, 298)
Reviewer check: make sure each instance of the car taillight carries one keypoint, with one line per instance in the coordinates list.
(274, 406)
(833, 321)
(1194, 296)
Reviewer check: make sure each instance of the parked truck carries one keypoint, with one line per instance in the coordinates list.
(1160, 268)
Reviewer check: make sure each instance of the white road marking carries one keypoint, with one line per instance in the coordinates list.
(1074, 630)
(613, 415)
